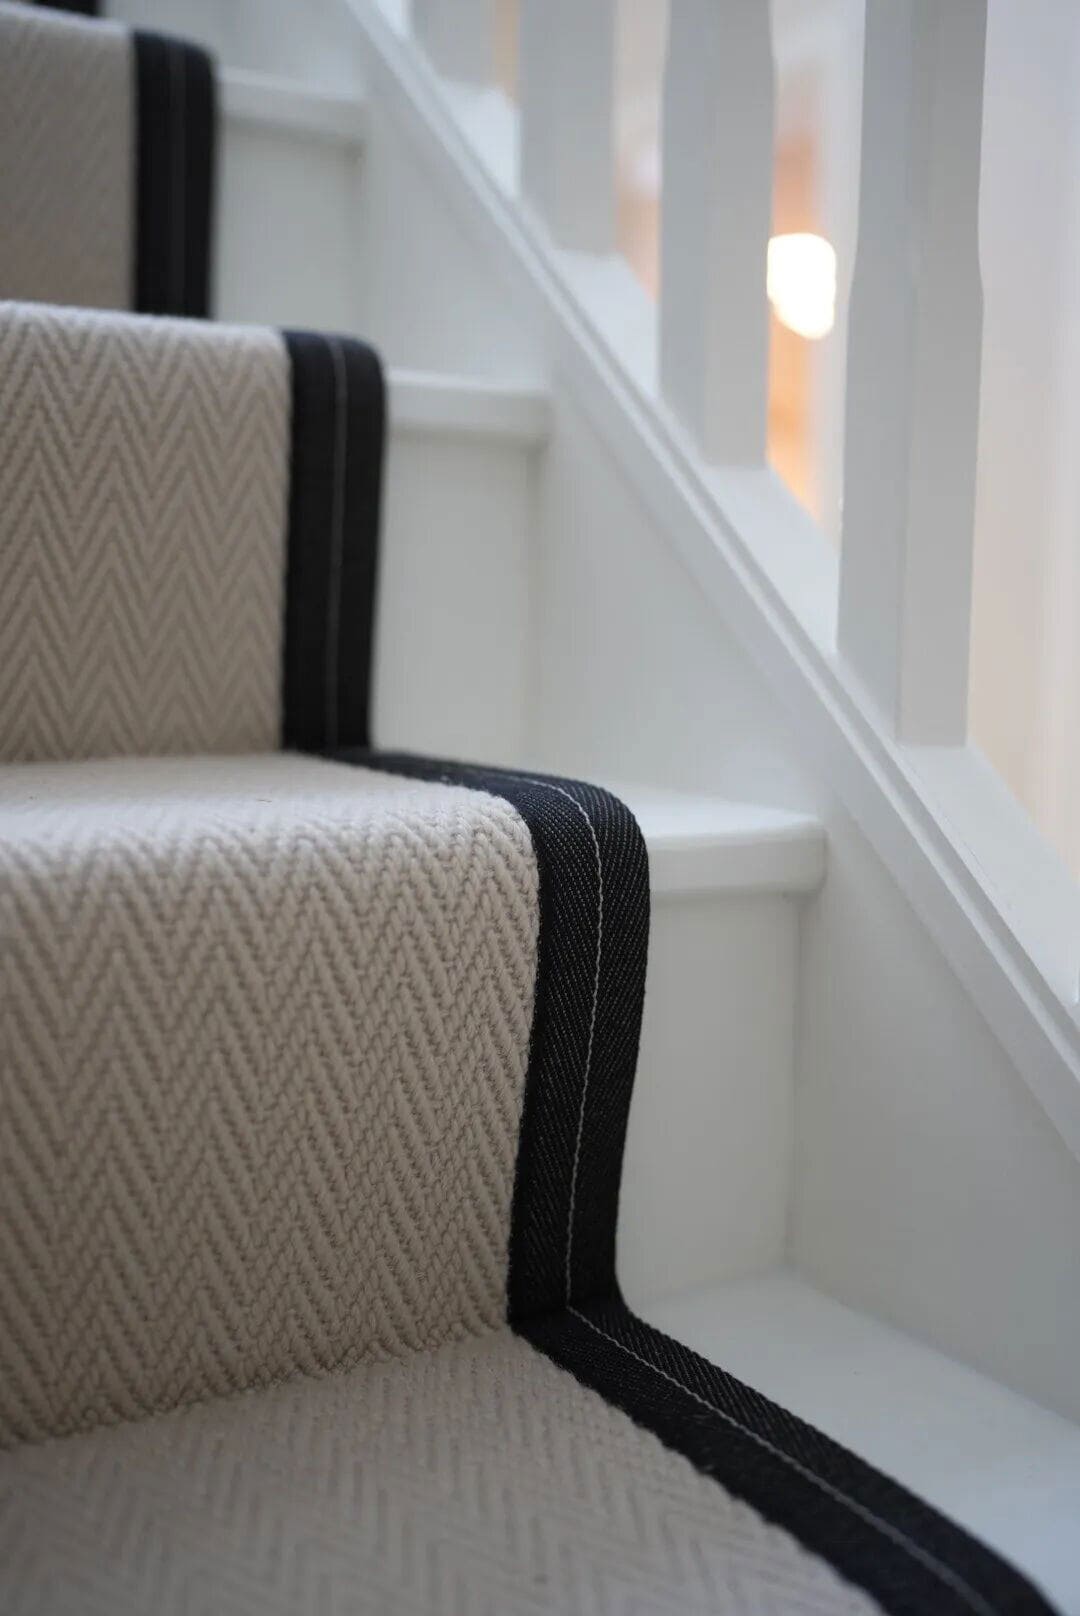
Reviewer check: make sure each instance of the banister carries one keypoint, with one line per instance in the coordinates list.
(716, 208)
(914, 353)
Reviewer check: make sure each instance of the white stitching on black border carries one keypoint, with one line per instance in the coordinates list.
(550, 785)
(971, 1597)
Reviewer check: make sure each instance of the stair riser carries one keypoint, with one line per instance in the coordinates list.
(287, 205)
(453, 637)
(708, 1157)
(305, 42)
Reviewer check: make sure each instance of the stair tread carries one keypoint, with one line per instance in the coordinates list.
(1000, 1465)
(264, 100)
(468, 406)
(709, 844)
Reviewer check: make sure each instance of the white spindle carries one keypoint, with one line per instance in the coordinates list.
(566, 78)
(459, 37)
(716, 211)
(914, 349)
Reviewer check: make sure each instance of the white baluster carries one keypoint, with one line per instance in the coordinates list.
(566, 77)
(716, 209)
(914, 350)
(458, 36)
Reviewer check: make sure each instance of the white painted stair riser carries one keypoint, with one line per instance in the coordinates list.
(706, 1182)
(453, 636)
(454, 569)
(289, 171)
(297, 39)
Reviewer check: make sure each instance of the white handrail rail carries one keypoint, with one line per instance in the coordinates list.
(716, 208)
(914, 355)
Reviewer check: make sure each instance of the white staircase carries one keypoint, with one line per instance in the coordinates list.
(819, 1101)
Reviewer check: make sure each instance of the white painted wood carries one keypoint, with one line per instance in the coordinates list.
(566, 92)
(1025, 630)
(489, 121)
(455, 632)
(716, 207)
(914, 351)
(768, 582)
(461, 320)
(703, 845)
(288, 174)
(929, 1188)
(314, 43)
(819, 58)
(999, 1465)
(707, 1171)
(458, 37)
(462, 407)
(706, 1182)
(286, 106)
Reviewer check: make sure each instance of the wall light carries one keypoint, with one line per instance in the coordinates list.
(800, 279)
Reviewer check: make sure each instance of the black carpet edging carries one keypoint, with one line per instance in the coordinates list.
(338, 426)
(592, 866)
(82, 8)
(872, 1531)
(563, 1295)
(175, 154)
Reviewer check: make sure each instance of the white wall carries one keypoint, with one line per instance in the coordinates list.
(633, 677)
(928, 1186)
(428, 299)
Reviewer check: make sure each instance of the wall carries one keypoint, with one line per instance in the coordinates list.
(929, 1187)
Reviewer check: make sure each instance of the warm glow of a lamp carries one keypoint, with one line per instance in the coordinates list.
(800, 279)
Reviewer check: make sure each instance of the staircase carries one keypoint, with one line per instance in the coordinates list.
(513, 556)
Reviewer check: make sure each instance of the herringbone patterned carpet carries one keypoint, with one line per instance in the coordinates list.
(143, 491)
(480, 1480)
(67, 171)
(262, 1056)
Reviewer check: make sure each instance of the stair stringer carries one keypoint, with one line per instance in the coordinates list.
(952, 1214)
(927, 1184)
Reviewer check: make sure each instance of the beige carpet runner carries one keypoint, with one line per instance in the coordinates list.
(315, 1065)
(107, 155)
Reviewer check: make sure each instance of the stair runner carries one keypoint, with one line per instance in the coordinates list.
(315, 1065)
(107, 178)
(316, 1060)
